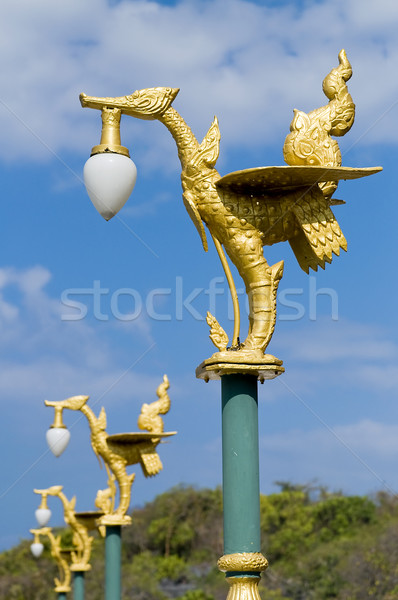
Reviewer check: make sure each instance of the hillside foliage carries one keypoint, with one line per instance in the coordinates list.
(319, 544)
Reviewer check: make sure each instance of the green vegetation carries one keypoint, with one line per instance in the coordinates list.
(319, 544)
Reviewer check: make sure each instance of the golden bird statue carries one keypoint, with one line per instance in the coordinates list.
(121, 450)
(246, 210)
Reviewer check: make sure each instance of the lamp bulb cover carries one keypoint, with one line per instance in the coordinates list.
(43, 515)
(36, 548)
(109, 179)
(57, 439)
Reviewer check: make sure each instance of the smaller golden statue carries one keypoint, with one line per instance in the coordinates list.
(120, 450)
(61, 557)
(82, 542)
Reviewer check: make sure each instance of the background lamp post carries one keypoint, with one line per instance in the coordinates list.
(36, 547)
(244, 211)
(43, 513)
(61, 557)
(117, 452)
(82, 541)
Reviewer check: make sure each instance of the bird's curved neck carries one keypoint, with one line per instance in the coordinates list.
(90, 416)
(184, 138)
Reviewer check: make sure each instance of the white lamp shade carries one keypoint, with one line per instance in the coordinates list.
(36, 548)
(57, 439)
(43, 515)
(109, 179)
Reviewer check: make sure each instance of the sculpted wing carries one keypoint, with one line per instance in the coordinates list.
(143, 453)
(320, 235)
(150, 461)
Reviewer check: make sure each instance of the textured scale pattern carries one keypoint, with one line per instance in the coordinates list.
(319, 234)
(271, 217)
(150, 461)
(143, 453)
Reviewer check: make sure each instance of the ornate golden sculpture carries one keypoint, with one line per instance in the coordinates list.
(249, 209)
(105, 499)
(243, 561)
(243, 586)
(119, 451)
(310, 142)
(62, 584)
(81, 540)
(217, 333)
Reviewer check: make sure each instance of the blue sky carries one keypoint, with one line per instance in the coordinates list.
(333, 416)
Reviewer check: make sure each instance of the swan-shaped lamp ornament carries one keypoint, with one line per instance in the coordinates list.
(246, 210)
(124, 449)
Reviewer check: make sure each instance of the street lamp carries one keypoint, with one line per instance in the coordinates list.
(60, 555)
(43, 513)
(82, 541)
(117, 452)
(243, 211)
(36, 547)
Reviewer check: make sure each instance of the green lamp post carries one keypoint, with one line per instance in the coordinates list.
(242, 211)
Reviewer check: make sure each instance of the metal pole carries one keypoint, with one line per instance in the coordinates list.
(242, 561)
(241, 488)
(61, 596)
(78, 585)
(113, 548)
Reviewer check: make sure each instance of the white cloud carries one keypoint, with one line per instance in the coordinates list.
(383, 377)
(359, 457)
(43, 356)
(146, 209)
(369, 437)
(348, 357)
(343, 340)
(250, 64)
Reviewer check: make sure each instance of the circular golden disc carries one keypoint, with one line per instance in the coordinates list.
(262, 180)
(88, 518)
(128, 438)
(89, 514)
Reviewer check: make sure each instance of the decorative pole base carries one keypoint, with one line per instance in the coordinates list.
(245, 562)
(243, 588)
(243, 573)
